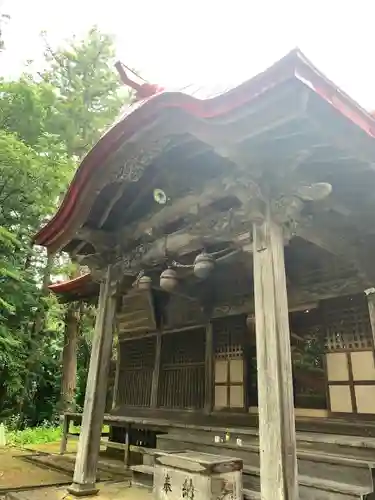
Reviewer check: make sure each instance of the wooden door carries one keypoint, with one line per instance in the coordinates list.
(229, 383)
(351, 381)
(229, 363)
(350, 357)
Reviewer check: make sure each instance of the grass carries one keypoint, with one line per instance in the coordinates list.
(39, 435)
(36, 435)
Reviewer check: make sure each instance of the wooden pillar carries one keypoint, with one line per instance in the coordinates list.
(117, 374)
(127, 447)
(370, 293)
(277, 440)
(155, 375)
(65, 432)
(96, 392)
(209, 369)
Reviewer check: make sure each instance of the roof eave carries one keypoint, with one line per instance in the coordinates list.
(55, 235)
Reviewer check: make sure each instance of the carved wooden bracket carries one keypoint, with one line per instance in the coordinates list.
(286, 209)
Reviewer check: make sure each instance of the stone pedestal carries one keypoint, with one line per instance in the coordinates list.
(197, 476)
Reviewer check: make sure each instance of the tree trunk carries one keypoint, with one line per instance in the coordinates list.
(69, 359)
(34, 336)
(41, 314)
(69, 356)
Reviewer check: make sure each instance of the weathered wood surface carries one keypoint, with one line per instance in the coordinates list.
(64, 437)
(275, 387)
(117, 374)
(89, 442)
(137, 313)
(354, 430)
(209, 369)
(156, 373)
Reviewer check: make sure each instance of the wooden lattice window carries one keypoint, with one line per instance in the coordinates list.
(229, 363)
(182, 370)
(137, 359)
(347, 324)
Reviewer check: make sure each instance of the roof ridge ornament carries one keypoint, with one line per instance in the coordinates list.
(142, 90)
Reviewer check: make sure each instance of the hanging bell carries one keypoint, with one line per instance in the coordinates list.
(203, 265)
(144, 283)
(168, 280)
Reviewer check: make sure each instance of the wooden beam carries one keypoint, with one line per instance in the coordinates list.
(190, 207)
(215, 227)
(84, 478)
(209, 369)
(198, 206)
(277, 439)
(206, 227)
(99, 239)
(115, 198)
(160, 171)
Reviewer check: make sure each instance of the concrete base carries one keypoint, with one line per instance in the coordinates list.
(83, 490)
(198, 476)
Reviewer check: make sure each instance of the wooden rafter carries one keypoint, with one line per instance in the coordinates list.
(337, 241)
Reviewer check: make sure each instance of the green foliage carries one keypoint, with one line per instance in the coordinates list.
(47, 122)
(44, 433)
(9, 274)
(88, 90)
(37, 435)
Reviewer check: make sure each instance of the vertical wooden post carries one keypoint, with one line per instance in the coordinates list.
(96, 391)
(277, 440)
(117, 374)
(209, 368)
(155, 375)
(127, 446)
(370, 293)
(65, 431)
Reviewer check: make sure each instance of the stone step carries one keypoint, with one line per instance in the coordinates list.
(251, 495)
(319, 466)
(309, 494)
(310, 488)
(142, 475)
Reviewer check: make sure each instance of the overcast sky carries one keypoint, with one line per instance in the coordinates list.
(178, 42)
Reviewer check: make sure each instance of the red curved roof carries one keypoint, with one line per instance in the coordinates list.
(293, 65)
(75, 285)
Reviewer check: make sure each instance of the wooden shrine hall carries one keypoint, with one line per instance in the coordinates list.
(230, 241)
